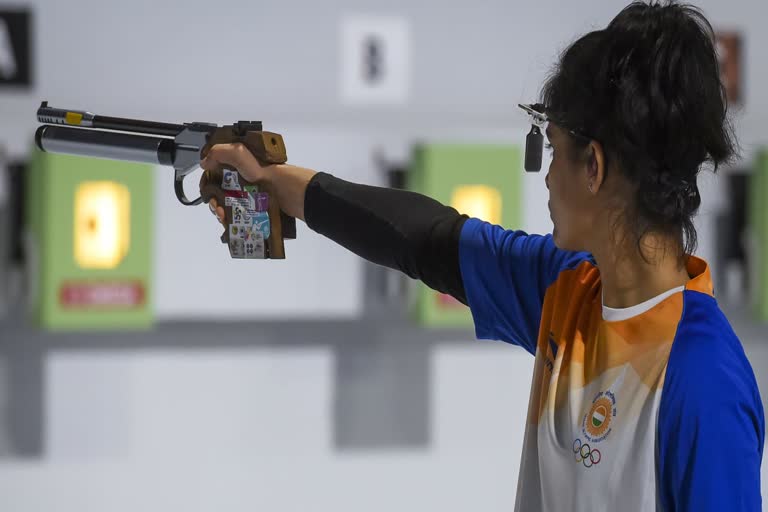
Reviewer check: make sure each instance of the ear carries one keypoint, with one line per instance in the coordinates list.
(595, 167)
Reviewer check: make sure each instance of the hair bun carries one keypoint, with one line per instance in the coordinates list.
(669, 197)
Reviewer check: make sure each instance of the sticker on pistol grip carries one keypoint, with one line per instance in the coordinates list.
(254, 247)
(230, 180)
(236, 247)
(236, 231)
(261, 223)
(240, 215)
(261, 201)
(231, 201)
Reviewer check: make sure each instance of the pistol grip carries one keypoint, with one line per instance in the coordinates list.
(268, 148)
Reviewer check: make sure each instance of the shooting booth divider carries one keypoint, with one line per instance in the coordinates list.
(480, 180)
(758, 214)
(5, 232)
(90, 252)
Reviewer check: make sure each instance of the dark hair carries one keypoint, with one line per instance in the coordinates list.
(648, 88)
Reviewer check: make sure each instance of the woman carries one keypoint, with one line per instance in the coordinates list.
(642, 397)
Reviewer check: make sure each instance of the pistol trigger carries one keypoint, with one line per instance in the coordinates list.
(178, 187)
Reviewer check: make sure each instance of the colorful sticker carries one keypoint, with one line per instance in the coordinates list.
(231, 200)
(237, 247)
(262, 202)
(261, 224)
(250, 226)
(236, 193)
(236, 231)
(254, 247)
(239, 215)
(230, 180)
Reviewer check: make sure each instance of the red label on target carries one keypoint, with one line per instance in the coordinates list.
(113, 294)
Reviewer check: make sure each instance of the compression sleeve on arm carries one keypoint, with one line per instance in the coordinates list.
(398, 229)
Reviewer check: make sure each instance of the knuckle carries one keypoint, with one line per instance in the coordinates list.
(210, 157)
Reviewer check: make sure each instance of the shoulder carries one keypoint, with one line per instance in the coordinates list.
(517, 250)
(705, 345)
(506, 275)
(708, 371)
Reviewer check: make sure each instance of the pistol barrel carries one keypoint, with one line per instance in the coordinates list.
(104, 144)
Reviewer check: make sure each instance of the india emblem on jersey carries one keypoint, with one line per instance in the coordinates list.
(596, 424)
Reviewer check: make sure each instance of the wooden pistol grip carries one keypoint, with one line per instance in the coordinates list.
(269, 149)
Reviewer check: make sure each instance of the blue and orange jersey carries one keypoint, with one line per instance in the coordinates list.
(651, 408)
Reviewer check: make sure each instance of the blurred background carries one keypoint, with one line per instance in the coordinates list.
(320, 382)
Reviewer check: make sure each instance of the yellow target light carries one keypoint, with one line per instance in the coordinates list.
(102, 224)
(479, 201)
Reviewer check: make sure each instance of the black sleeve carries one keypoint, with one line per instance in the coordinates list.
(398, 229)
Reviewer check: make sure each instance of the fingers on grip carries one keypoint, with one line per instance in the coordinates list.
(234, 154)
(217, 210)
(212, 193)
(210, 186)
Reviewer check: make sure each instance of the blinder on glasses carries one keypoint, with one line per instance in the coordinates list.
(534, 142)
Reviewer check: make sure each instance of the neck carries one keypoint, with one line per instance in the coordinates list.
(629, 279)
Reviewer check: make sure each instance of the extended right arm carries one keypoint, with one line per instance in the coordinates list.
(502, 275)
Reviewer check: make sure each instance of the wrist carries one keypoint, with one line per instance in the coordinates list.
(271, 171)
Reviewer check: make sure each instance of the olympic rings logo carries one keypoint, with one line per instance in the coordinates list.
(584, 454)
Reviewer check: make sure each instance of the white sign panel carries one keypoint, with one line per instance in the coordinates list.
(375, 60)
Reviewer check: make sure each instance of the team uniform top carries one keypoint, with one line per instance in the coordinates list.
(651, 408)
